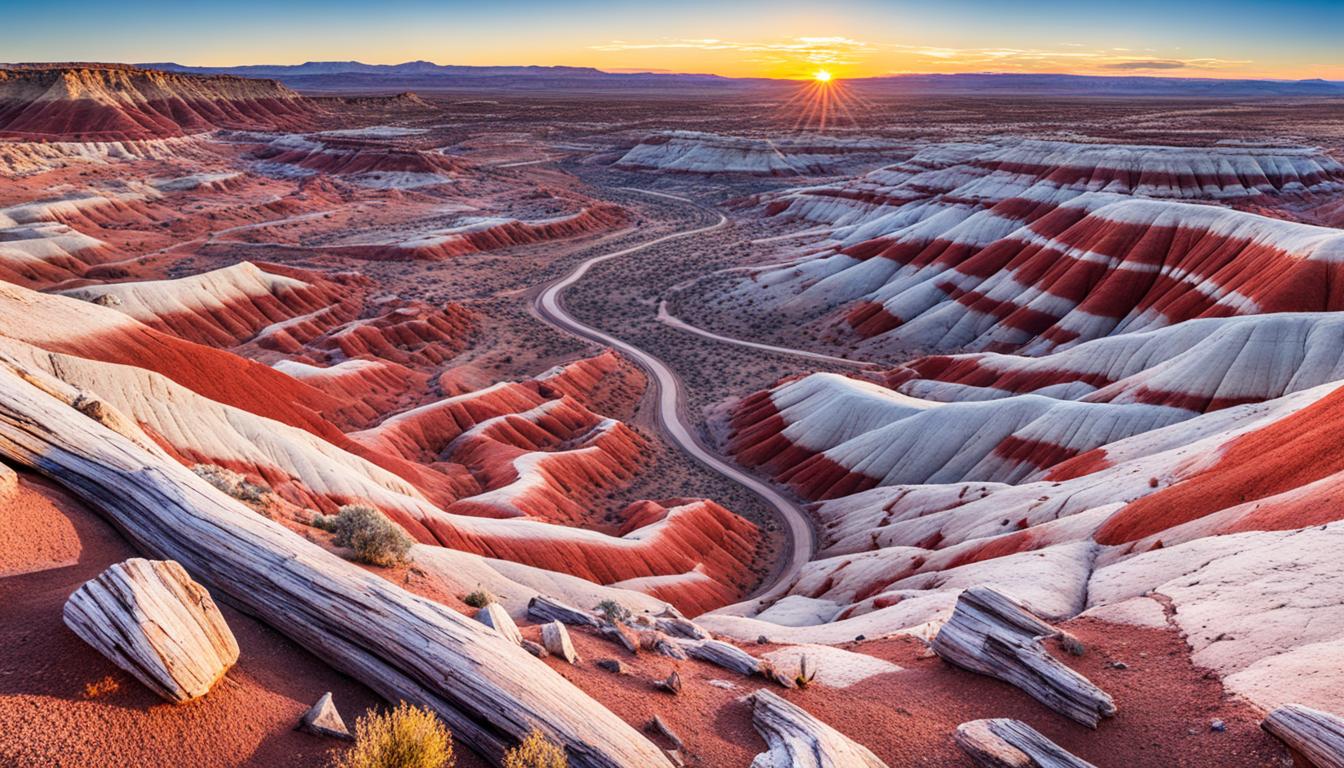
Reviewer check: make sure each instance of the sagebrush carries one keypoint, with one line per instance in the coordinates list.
(479, 599)
(373, 537)
(406, 737)
(536, 751)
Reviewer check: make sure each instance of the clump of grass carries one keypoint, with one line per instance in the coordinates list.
(535, 752)
(406, 737)
(614, 612)
(234, 484)
(479, 599)
(374, 538)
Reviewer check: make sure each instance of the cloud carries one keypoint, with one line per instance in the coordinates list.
(818, 50)
(1147, 64)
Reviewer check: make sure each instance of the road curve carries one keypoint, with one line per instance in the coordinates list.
(549, 306)
(666, 317)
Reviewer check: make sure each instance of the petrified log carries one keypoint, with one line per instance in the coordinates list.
(672, 684)
(619, 635)
(796, 739)
(1005, 743)
(324, 720)
(656, 725)
(994, 635)
(149, 618)
(536, 649)
(495, 617)
(724, 655)
(556, 639)
(671, 622)
(543, 608)
(1318, 737)
(488, 691)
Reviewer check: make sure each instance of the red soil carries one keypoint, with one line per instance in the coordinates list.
(907, 718)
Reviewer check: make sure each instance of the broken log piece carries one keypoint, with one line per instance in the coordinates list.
(536, 649)
(619, 635)
(556, 639)
(495, 617)
(672, 684)
(489, 692)
(542, 608)
(656, 725)
(995, 635)
(796, 739)
(324, 720)
(1005, 743)
(671, 622)
(149, 618)
(1318, 737)
(669, 648)
(724, 655)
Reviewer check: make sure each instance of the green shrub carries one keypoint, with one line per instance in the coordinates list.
(479, 599)
(535, 752)
(373, 537)
(406, 737)
(614, 611)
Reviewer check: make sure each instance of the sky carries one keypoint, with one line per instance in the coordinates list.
(1289, 39)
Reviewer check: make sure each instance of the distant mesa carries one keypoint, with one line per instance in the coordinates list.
(111, 103)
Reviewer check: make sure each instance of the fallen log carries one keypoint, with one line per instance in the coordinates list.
(724, 655)
(488, 691)
(543, 608)
(995, 635)
(555, 638)
(1005, 743)
(149, 618)
(671, 622)
(796, 739)
(1318, 737)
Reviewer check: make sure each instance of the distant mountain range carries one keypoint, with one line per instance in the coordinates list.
(355, 76)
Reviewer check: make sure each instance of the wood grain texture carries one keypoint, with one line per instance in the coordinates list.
(796, 739)
(149, 618)
(994, 635)
(1318, 737)
(1006, 743)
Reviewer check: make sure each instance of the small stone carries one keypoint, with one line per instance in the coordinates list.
(762, 640)
(324, 720)
(612, 665)
(1217, 726)
(1117, 665)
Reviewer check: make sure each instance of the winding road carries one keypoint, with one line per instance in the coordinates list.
(672, 419)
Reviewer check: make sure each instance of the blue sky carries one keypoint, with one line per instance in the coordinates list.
(1293, 39)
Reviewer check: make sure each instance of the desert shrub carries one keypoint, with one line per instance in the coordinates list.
(233, 483)
(373, 537)
(479, 599)
(406, 737)
(535, 752)
(614, 611)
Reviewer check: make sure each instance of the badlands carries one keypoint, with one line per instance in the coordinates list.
(972, 431)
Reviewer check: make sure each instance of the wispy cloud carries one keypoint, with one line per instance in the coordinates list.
(816, 50)
(1147, 64)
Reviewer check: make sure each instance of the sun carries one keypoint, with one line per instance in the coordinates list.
(821, 76)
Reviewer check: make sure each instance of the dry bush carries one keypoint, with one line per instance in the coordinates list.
(614, 612)
(535, 752)
(406, 737)
(373, 537)
(479, 599)
(233, 483)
